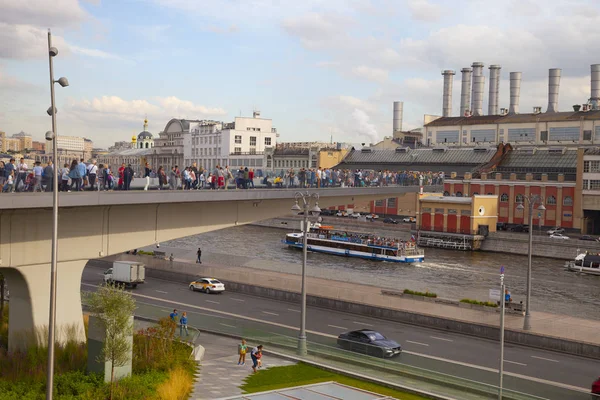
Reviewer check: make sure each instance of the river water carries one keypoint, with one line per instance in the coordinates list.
(450, 274)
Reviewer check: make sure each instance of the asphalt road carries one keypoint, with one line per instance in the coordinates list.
(427, 348)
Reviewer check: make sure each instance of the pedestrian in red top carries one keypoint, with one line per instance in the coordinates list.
(121, 175)
(251, 177)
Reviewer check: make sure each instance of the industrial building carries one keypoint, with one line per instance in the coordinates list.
(471, 127)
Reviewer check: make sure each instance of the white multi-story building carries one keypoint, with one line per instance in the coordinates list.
(67, 143)
(241, 143)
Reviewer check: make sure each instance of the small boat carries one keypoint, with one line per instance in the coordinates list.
(585, 263)
(325, 239)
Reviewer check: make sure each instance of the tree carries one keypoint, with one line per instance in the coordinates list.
(113, 307)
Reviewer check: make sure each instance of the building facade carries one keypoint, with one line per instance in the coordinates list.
(18, 142)
(589, 181)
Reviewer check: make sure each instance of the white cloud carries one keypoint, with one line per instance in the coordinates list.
(423, 10)
(370, 73)
(93, 53)
(153, 33)
(364, 127)
(26, 41)
(351, 102)
(41, 12)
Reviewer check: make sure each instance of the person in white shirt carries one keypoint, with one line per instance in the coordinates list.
(22, 169)
(92, 170)
(37, 173)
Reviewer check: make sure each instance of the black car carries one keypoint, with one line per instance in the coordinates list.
(327, 212)
(370, 343)
(390, 221)
(588, 238)
(520, 228)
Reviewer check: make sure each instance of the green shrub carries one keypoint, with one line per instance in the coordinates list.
(481, 303)
(424, 294)
(145, 253)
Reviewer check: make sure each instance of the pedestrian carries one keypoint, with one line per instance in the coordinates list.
(9, 185)
(84, 174)
(121, 172)
(65, 177)
(75, 175)
(48, 177)
(38, 171)
(2, 174)
(253, 354)
(127, 177)
(242, 348)
(22, 169)
(92, 172)
(183, 324)
(199, 254)
(147, 172)
(174, 315)
(162, 177)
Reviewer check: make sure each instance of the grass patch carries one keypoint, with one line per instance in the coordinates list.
(177, 387)
(415, 293)
(480, 303)
(304, 374)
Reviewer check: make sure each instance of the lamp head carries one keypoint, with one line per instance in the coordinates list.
(49, 111)
(53, 51)
(296, 207)
(49, 135)
(542, 208)
(62, 81)
(315, 210)
(520, 207)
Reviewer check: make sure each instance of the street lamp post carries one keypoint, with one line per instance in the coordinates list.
(531, 200)
(306, 199)
(51, 136)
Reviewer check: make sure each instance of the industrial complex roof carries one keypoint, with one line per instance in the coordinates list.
(461, 156)
(319, 391)
(516, 118)
(540, 158)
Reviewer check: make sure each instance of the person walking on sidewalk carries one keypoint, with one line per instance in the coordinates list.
(173, 316)
(199, 254)
(242, 349)
(183, 324)
(253, 354)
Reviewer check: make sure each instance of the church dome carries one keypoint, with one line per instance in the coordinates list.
(145, 135)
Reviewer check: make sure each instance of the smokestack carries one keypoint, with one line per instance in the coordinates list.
(494, 89)
(398, 106)
(595, 98)
(465, 91)
(447, 96)
(477, 100)
(477, 71)
(515, 92)
(553, 86)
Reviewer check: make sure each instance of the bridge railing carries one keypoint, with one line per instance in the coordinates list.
(433, 375)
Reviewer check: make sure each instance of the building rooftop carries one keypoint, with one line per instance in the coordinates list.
(447, 199)
(556, 158)
(400, 156)
(516, 118)
(592, 151)
(291, 151)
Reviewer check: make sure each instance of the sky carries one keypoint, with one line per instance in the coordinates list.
(320, 69)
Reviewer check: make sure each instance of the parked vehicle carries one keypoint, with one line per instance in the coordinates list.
(128, 273)
(355, 215)
(596, 387)
(207, 285)
(369, 342)
(588, 238)
(501, 226)
(558, 229)
(327, 212)
(558, 236)
(341, 214)
(390, 221)
(372, 216)
(410, 219)
(519, 228)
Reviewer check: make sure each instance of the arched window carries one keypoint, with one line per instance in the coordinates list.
(504, 198)
(490, 194)
(568, 201)
(446, 193)
(519, 198)
(458, 194)
(147, 144)
(475, 193)
(551, 201)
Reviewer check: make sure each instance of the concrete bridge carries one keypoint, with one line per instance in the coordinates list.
(99, 224)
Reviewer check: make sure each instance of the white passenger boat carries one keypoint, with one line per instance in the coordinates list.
(585, 263)
(325, 239)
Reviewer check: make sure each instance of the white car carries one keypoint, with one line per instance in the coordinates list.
(355, 215)
(410, 219)
(341, 214)
(557, 230)
(207, 285)
(372, 216)
(558, 236)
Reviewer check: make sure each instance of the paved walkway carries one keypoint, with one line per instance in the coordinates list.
(545, 324)
(219, 375)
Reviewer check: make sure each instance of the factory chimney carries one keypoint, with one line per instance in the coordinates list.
(465, 93)
(447, 96)
(595, 98)
(494, 89)
(515, 92)
(553, 86)
(476, 89)
(397, 125)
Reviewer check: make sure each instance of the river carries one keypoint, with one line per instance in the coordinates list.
(450, 274)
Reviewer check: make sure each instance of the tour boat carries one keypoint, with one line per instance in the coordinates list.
(585, 263)
(325, 239)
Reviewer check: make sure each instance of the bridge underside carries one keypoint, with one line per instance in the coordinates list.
(88, 232)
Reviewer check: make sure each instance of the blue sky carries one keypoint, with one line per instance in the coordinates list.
(317, 68)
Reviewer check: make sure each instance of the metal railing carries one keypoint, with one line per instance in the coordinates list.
(444, 378)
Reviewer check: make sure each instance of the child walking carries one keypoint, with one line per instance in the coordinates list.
(242, 349)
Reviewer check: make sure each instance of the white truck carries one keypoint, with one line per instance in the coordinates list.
(128, 273)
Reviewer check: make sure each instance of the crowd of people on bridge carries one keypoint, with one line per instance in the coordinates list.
(79, 175)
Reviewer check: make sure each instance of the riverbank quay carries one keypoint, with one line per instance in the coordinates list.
(550, 331)
(496, 242)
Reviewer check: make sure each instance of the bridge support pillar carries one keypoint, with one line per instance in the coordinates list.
(30, 303)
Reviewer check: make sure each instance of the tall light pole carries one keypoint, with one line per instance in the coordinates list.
(502, 306)
(306, 199)
(531, 200)
(51, 136)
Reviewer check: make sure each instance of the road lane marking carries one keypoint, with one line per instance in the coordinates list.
(337, 327)
(270, 313)
(160, 291)
(514, 362)
(441, 338)
(545, 359)
(323, 334)
(419, 343)
(291, 309)
(211, 301)
(361, 323)
(234, 299)
(230, 326)
(165, 310)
